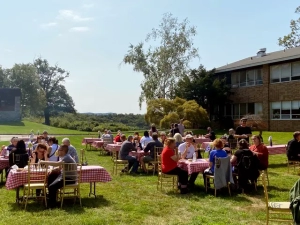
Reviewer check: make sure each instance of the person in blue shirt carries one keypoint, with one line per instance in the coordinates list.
(218, 152)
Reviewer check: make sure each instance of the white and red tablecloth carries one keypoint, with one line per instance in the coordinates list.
(201, 140)
(88, 141)
(276, 149)
(113, 147)
(89, 174)
(98, 144)
(194, 167)
(4, 163)
(206, 144)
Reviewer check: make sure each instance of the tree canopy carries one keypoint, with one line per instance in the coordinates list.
(164, 64)
(163, 112)
(292, 39)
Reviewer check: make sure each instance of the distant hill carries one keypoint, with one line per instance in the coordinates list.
(90, 113)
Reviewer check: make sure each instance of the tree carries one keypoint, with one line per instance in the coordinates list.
(163, 65)
(164, 112)
(205, 88)
(3, 78)
(51, 80)
(292, 39)
(24, 76)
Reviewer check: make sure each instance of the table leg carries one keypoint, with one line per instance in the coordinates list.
(18, 195)
(93, 192)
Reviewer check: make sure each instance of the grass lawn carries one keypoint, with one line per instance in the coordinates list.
(135, 200)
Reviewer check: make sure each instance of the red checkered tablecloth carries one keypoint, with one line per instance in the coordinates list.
(4, 163)
(86, 141)
(111, 147)
(98, 144)
(276, 149)
(89, 174)
(194, 167)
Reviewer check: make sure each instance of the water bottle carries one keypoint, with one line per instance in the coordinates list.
(194, 157)
(7, 153)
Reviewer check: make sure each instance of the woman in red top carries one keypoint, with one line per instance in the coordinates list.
(261, 151)
(169, 164)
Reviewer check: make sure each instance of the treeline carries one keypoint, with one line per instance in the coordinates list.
(87, 122)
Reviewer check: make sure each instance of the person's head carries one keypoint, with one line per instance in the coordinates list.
(153, 127)
(231, 131)
(119, 133)
(163, 136)
(256, 139)
(209, 129)
(296, 135)
(172, 125)
(45, 133)
(170, 142)
(52, 141)
(218, 143)
(40, 139)
(146, 133)
(108, 132)
(155, 136)
(176, 125)
(21, 145)
(136, 134)
(243, 121)
(66, 141)
(41, 148)
(181, 121)
(123, 137)
(130, 138)
(189, 138)
(63, 150)
(178, 138)
(223, 139)
(243, 144)
(105, 131)
(14, 141)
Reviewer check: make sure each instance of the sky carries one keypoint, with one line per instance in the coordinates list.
(89, 38)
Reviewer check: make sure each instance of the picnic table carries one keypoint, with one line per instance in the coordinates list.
(113, 147)
(193, 167)
(98, 144)
(201, 140)
(89, 174)
(88, 141)
(4, 163)
(276, 149)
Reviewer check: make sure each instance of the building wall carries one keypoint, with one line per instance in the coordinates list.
(12, 116)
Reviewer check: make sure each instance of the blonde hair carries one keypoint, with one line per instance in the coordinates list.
(218, 143)
(178, 137)
(169, 141)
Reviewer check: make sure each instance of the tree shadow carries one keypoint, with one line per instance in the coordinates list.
(19, 124)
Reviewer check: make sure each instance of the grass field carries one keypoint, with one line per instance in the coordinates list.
(135, 200)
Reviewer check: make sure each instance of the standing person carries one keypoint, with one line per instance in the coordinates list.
(72, 150)
(126, 148)
(175, 130)
(243, 131)
(153, 130)
(211, 134)
(181, 127)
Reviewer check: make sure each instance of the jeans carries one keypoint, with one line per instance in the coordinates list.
(182, 175)
(132, 162)
(206, 172)
(193, 178)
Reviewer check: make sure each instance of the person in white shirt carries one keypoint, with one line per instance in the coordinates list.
(187, 150)
(145, 139)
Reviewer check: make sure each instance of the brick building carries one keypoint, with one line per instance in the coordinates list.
(268, 85)
(10, 106)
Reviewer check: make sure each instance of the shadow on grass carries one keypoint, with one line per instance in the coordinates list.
(279, 165)
(12, 123)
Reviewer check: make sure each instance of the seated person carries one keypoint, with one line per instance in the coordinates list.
(55, 178)
(293, 147)
(247, 164)
(39, 140)
(137, 136)
(53, 147)
(150, 148)
(13, 145)
(136, 142)
(126, 148)
(226, 147)
(178, 139)
(187, 150)
(145, 139)
(169, 165)
(118, 137)
(218, 152)
(22, 160)
(261, 151)
(40, 153)
(211, 134)
(163, 137)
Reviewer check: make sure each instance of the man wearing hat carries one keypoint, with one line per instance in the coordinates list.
(187, 150)
(243, 131)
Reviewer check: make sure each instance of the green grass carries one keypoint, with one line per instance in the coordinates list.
(25, 127)
(135, 200)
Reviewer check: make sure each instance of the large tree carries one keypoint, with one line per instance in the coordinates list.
(51, 79)
(205, 88)
(292, 39)
(164, 64)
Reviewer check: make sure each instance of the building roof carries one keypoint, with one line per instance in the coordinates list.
(273, 57)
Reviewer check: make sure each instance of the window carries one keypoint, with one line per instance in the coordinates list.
(242, 109)
(296, 71)
(246, 78)
(275, 74)
(285, 110)
(285, 72)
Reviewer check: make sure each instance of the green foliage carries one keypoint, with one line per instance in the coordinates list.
(164, 64)
(292, 39)
(164, 112)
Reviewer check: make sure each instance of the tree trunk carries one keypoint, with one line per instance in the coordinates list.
(47, 116)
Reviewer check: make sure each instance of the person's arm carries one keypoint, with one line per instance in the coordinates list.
(147, 148)
(33, 159)
(233, 159)
(184, 154)
(46, 156)
(175, 158)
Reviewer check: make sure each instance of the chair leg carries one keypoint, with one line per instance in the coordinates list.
(79, 196)
(62, 198)
(229, 189)
(206, 183)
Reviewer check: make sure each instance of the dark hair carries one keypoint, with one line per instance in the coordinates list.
(65, 148)
(243, 144)
(123, 137)
(53, 140)
(146, 133)
(41, 146)
(155, 136)
(296, 134)
(21, 147)
(176, 125)
(153, 128)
